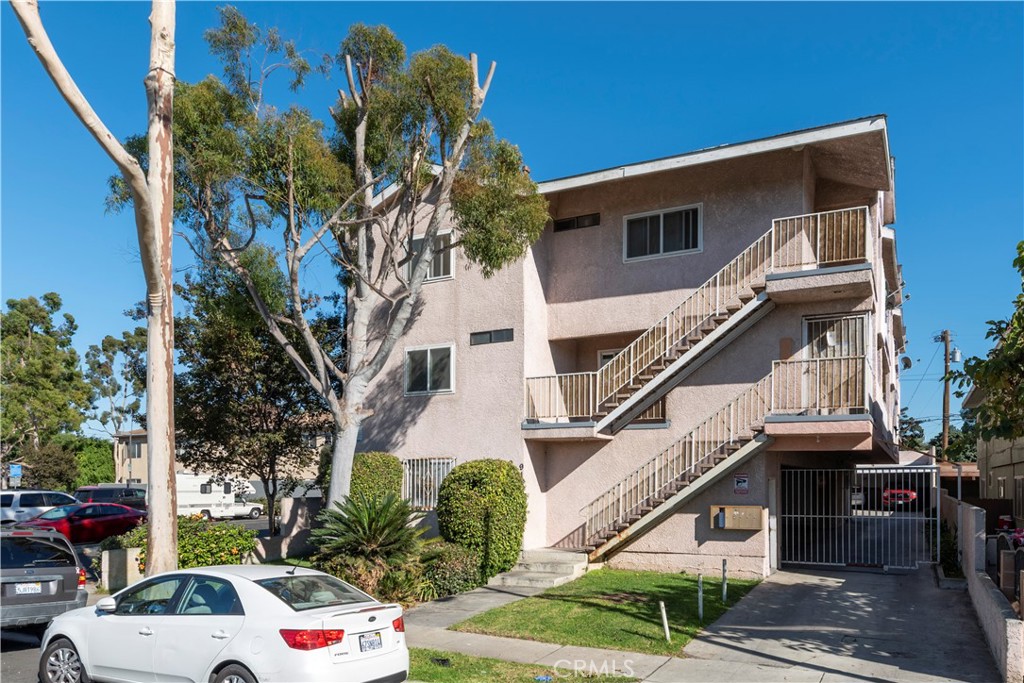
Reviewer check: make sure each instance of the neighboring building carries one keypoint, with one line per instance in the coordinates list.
(689, 334)
(131, 458)
(1000, 466)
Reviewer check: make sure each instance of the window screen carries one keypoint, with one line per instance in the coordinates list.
(428, 370)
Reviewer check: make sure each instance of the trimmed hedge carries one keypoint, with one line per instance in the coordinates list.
(200, 543)
(482, 506)
(376, 474)
(451, 569)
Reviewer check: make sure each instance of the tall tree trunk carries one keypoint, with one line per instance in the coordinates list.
(152, 201)
(163, 518)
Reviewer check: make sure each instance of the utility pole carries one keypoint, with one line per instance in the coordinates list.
(945, 399)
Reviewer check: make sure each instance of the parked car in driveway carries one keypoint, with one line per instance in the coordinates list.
(40, 577)
(132, 497)
(898, 497)
(230, 624)
(90, 522)
(17, 505)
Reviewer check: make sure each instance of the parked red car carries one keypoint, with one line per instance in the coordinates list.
(892, 497)
(90, 522)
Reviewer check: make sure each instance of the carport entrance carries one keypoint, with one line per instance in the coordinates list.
(885, 517)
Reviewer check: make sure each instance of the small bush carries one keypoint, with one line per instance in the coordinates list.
(482, 505)
(369, 528)
(451, 569)
(376, 474)
(200, 543)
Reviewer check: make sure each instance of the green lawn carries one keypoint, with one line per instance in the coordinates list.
(612, 609)
(465, 669)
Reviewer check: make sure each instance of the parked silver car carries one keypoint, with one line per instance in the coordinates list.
(21, 505)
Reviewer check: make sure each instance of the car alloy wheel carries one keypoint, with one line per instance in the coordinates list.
(254, 513)
(62, 664)
(234, 673)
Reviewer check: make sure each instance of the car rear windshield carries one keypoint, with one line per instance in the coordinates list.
(6, 500)
(22, 551)
(313, 591)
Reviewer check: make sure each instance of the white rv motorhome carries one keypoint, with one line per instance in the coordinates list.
(201, 494)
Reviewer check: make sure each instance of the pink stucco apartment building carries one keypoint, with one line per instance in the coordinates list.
(685, 332)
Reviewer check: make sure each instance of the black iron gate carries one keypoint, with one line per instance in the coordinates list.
(884, 517)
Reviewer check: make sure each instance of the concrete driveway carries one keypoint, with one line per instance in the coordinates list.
(841, 626)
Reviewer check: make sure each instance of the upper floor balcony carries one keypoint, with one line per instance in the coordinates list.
(819, 255)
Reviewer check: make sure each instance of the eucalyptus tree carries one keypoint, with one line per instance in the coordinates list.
(405, 150)
(151, 194)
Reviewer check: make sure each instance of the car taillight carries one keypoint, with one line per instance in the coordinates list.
(399, 624)
(311, 639)
(81, 578)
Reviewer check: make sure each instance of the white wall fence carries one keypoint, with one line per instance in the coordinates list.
(1003, 628)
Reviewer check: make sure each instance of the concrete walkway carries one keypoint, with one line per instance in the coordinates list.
(824, 627)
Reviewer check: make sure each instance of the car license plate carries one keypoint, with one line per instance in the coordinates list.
(28, 588)
(370, 641)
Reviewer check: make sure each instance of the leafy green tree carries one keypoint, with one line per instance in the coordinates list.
(49, 466)
(963, 441)
(245, 169)
(241, 408)
(111, 368)
(42, 392)
(911, 432)
(999, 376)
(94, 457)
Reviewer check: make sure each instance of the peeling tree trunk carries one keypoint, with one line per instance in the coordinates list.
(152, 201)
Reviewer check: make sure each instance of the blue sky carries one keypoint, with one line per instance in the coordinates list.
(580, 86)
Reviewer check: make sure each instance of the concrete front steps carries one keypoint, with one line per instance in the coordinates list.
(543, 568)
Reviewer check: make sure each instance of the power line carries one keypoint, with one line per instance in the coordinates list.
(922, 378)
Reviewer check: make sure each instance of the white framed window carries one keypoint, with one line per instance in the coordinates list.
(1001, 484)
(441, 264)
(134, 450)
(605, 356)
(430, 370)
(662, 233)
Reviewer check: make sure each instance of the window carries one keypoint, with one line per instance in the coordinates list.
(1018, 497)
(605, 357)
(55, 499)
(586, 221)
(152, 597)
(134, 481)
(1001, 481)
(842, 337)
(32, 500)
(210, 596)
(135, 450)
(36, 552)
(664, 233)
(441, 265)
(429, 371)
(6, 500)
(491, 337)
(313, 591)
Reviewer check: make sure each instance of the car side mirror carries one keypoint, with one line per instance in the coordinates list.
(107, 604)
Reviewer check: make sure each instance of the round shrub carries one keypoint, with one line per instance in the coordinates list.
(200, 543)
(451, 569)
(482, 505)
(376, 474)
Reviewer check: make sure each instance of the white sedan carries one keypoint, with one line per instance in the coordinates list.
(230, 624)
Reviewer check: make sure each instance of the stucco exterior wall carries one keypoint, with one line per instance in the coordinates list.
(591, 291)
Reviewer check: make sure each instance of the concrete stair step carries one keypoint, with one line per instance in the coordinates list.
(571, 568)
(552, 555)
(518, 577)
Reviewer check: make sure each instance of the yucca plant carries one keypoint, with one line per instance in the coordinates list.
(369, 528)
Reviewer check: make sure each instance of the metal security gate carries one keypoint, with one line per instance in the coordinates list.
(885, 517)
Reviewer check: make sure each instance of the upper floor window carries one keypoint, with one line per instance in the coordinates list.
(441, 265)
(663, 233)
(429, 371)
(135, 449)
(575, 222)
